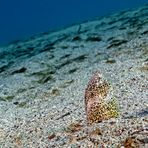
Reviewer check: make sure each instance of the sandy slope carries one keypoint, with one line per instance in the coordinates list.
(43, 79)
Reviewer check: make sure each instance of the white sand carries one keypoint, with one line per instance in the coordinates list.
(42, 84)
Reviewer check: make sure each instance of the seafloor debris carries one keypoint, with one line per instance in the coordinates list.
(131, 142)
(96, 106)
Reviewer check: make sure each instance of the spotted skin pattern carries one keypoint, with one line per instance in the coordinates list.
(97, 109)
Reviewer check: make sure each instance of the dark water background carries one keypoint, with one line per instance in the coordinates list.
(22, 18)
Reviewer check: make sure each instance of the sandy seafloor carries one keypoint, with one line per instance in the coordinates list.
(43, 80)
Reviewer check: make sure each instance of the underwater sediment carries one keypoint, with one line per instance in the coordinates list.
(43, 82)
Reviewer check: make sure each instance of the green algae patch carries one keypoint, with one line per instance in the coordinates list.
(67, 83)
(21, 90)
(144, 67)
(45, 75)
(72, 70)
(45, 79)
(55, 92)
(7, 98)
(110, 61)
(22, 104)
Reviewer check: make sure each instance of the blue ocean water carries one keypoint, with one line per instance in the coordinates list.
(21, 19)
